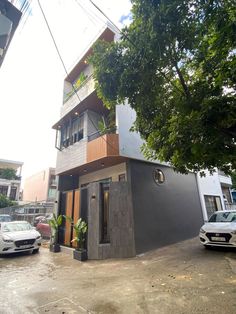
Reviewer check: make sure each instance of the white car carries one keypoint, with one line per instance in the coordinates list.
(18, 236)
(220, 230)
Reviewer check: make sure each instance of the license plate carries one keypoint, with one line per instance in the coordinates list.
(25, 246)
(220, 239)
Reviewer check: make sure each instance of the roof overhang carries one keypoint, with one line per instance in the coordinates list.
(105, 34)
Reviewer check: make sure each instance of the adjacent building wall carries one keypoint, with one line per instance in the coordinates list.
(163, 213)
(129, 142)
(36, 187)
(11, 184)
(209, 185)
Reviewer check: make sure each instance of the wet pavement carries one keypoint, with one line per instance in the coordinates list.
(183, 278)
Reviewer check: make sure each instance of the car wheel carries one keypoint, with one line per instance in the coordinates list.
(35, 251)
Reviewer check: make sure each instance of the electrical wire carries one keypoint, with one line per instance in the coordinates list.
(119, 30)
(58, 52)
(89, 14)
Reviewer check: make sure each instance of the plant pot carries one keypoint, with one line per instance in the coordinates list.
(55, 248)
(80, 255)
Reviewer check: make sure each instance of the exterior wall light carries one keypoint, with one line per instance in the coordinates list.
(158, 176)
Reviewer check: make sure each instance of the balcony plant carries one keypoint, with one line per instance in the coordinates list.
(107, 125)
(77, 84)
(55, 222)
(80, 230)
(82, 77)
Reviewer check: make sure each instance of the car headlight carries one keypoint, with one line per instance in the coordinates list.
(202, 230)
(38, 237)
(7, 240)
(234, 232)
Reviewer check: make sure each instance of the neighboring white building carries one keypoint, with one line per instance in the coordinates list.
(11, 187)
(214, 191)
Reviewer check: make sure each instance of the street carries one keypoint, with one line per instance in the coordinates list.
(181, 278)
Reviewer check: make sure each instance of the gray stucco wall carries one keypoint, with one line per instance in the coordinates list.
(163, 214)
(120, 222)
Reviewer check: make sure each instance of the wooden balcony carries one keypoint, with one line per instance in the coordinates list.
(103, 146)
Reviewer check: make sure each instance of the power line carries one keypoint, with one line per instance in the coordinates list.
(58, 52)
(100, 10)
(91, 15)
(55, 44)
(119, 30)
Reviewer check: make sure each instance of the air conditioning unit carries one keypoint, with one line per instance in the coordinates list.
(5, 31)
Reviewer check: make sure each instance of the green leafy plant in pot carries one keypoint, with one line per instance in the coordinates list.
(80, 229)
(55, 223)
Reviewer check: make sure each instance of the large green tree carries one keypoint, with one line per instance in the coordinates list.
(176, 66)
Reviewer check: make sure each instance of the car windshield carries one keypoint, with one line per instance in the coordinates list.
(223, 217)
(5, 218)
(19, 226)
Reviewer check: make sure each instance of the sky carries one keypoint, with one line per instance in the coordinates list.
(31, 76)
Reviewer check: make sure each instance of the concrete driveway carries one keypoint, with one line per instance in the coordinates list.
(181, 278)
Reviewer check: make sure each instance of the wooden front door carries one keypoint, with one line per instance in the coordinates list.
(76, 211)
(72, 210)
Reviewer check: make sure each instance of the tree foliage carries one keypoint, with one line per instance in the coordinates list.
(5, 201)
(176, 66)
(233, 177)
(8, 173)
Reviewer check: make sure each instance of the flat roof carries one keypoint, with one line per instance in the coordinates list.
(7, 162)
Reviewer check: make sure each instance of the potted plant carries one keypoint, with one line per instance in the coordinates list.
(80, 229)
(54, 223)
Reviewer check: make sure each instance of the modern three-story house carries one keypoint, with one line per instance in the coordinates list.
(131, 205)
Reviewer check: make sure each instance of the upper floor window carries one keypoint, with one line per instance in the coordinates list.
(3, 190)
(77, 129)
(65, 135)
(72, 132)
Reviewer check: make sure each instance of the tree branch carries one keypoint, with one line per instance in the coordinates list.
(182, 81)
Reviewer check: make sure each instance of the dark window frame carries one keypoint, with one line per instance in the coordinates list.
(104, 213)
(213, 203)
(4, 189)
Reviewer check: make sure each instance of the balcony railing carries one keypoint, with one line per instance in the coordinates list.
(103, 146)
(85, 89)
(15, 178)
(97, 134)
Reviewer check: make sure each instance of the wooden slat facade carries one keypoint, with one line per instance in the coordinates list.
(76, 211)
(69, 207)
(103, 146)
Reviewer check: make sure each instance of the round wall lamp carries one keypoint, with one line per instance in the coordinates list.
(158, 176)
